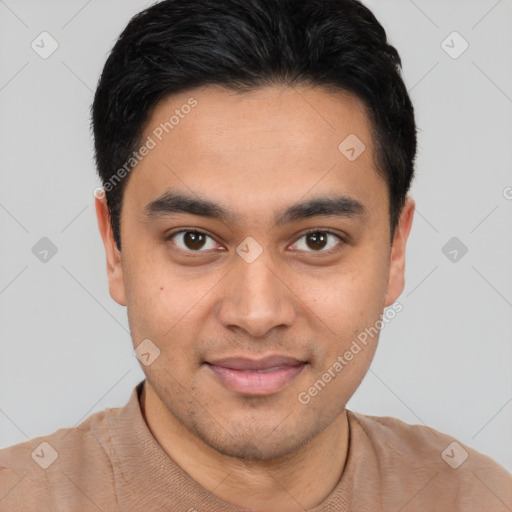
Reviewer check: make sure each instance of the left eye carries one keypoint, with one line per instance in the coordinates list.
(317, 241)
(193, 241)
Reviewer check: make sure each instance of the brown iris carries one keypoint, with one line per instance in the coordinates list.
(316, 240)
(194, 240)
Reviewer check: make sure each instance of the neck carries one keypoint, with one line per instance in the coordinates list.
(298, 481)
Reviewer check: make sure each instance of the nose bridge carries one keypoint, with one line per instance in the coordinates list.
(256, 299)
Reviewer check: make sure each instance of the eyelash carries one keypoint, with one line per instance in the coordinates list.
(341, 240)
(311, 231)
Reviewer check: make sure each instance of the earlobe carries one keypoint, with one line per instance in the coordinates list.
(396, 280)
(113, 255)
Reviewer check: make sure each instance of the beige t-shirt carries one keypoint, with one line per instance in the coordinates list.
(111, 462)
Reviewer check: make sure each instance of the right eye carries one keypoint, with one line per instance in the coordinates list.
(192, 241)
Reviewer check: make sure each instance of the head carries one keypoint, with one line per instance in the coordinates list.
(256, 157)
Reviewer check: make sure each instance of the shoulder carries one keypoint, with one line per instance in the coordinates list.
(37, 474)
(437, 465)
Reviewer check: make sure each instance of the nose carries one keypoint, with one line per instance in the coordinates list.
(256, 298)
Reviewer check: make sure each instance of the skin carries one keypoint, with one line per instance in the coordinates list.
(255, 153)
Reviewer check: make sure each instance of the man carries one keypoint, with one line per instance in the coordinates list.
(256, 157)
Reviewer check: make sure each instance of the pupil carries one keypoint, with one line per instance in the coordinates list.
(194, 240)
(316, 240)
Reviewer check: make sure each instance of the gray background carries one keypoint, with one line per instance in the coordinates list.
(444, 361)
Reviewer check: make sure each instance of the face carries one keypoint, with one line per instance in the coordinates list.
(254, 252)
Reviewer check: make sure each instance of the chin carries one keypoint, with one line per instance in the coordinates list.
(257, 442)
(254, 450)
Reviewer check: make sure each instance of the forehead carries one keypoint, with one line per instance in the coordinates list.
(266, 144)
(225, 121)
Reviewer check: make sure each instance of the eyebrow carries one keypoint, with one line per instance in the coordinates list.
(336, 206)
(172, 202)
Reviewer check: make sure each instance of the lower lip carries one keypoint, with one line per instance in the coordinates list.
(249, 382)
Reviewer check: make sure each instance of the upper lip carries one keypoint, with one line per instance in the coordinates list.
(243, 363)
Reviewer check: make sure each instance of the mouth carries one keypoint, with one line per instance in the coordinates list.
(256, 377)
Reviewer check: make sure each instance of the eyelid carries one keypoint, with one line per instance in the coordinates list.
(169, 236)
(321, 230)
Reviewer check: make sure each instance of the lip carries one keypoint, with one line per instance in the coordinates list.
(256, 377)
(264, 363)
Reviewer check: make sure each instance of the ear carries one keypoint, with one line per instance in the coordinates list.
(396, 279)
(114, 263)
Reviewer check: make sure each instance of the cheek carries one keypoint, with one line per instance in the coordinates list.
(351, 296)
(345, 316)
(149, 293)
(162, 299)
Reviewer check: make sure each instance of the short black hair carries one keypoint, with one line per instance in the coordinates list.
(175, 45)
